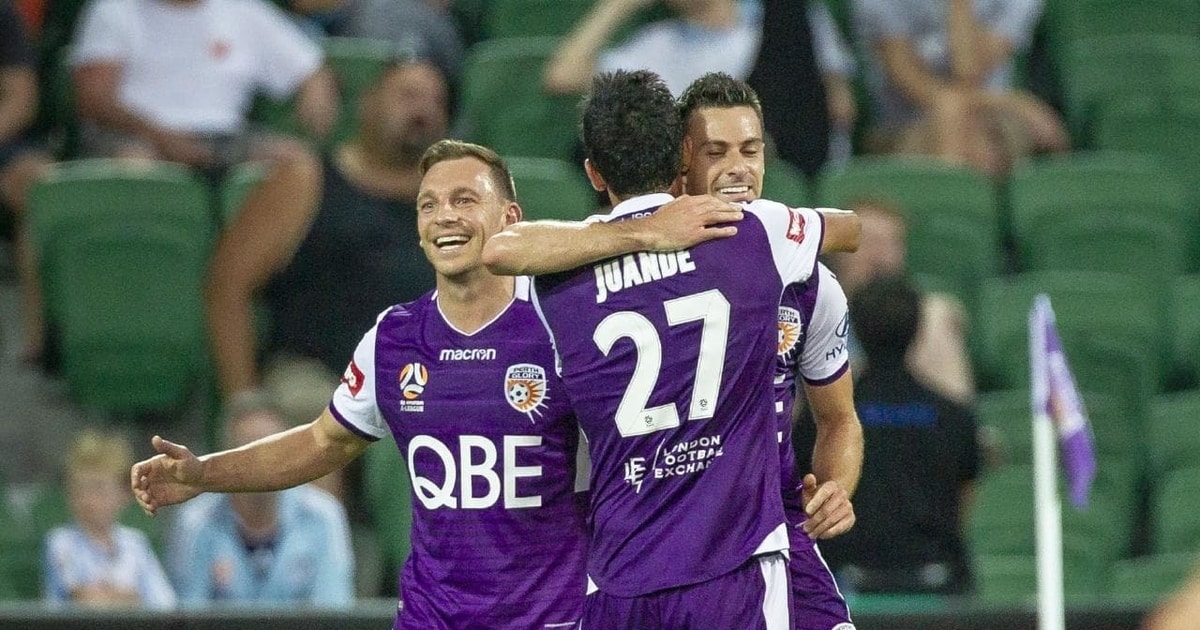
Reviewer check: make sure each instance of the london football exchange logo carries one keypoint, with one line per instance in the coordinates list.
(525, 388)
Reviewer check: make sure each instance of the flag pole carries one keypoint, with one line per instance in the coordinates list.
(1047, 505)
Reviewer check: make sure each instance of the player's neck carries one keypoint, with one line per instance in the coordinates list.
(377, 176)
(471, 303)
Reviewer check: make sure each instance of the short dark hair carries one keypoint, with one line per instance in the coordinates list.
(632, 133)
(447, 149)
(717, 89)
(885, 314)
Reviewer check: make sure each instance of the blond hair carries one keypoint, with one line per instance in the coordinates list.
(97, 453)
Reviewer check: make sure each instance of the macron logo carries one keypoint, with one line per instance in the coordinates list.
(473, 354)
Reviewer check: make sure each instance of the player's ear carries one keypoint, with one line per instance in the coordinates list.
(594, 176)
(513, 213)
(685, 160)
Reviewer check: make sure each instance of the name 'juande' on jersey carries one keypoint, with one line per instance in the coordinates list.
(490, 443)
(667, 360)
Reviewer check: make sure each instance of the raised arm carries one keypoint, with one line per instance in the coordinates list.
(540, 247)
(843, 230)
(276, 462)
(574, 63)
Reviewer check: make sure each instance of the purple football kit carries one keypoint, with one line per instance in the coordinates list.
(491, 445)
(813, 326)
(665, 357)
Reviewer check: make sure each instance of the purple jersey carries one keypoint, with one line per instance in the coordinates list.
(486, 430)
(665, 356)
(813, 325)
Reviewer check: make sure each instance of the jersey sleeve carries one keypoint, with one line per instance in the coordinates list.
(825, 358)
(354, 403)
(795, 236)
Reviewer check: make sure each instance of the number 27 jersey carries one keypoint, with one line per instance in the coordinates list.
(667, 359)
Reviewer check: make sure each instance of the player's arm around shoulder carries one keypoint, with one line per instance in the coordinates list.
(541, 247)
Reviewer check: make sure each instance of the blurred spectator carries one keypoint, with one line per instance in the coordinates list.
(940, 77)
(174, 79)
(1178, 611)
(22, 161)
(282, 547)
(920, 461)
(95, 561)
(836, 63)
(708, 36)
(326, 272)
(938, 356)
(790, 74)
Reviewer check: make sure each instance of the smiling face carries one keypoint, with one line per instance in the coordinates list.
(724, 153)
(460, 206)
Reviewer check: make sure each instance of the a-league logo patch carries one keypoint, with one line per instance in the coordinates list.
(353, 378)
(525, 388)
(413, 379)
(789, 329)
(795, 230)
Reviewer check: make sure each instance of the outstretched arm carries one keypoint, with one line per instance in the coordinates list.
(278, 461)
(836, 461)
(843, 230)
(540, 247)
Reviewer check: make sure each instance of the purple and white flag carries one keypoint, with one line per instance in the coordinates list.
(1056, 399)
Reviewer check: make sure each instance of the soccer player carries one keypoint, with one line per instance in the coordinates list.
(723, 156)
(666, 359)
(463, 379)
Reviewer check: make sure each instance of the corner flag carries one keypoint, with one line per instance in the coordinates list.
(1056, 399)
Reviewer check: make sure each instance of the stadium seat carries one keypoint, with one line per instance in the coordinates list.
(20, 555)
(1113, 67)
(1070, 20)
(1102, 211)
(1145, 580)
(504, 106)
(388, 496)
(122, 250)
(786, 184)
(533, 18)
(1175, 504)
(1185, 326)
(1006, 579)
(1167, 127)
(1173, 433)
(551, 189)
(1112, 327)
(1006, 414)
(954, 221)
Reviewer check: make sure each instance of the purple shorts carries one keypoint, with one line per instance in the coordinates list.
(755, 596)
(817, 604)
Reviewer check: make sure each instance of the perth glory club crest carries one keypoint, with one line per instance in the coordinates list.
(525, 388)
(789, 329)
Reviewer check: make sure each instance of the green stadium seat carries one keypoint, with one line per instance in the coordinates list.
(1112, 327)
(953, 216)
(551, 189)
(1173, 433)
(20, 555)
(786, 184)
(388, 496)
(1113, 67)
(533, 18)
(1175, 504)
(122, 250)
(357, 64)
(1145, 580)
(1185, 326)
(504, 106)
(1167, 127)
(1007, 414)
(1078, 212)
(1006, 579)
(1071, 20)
